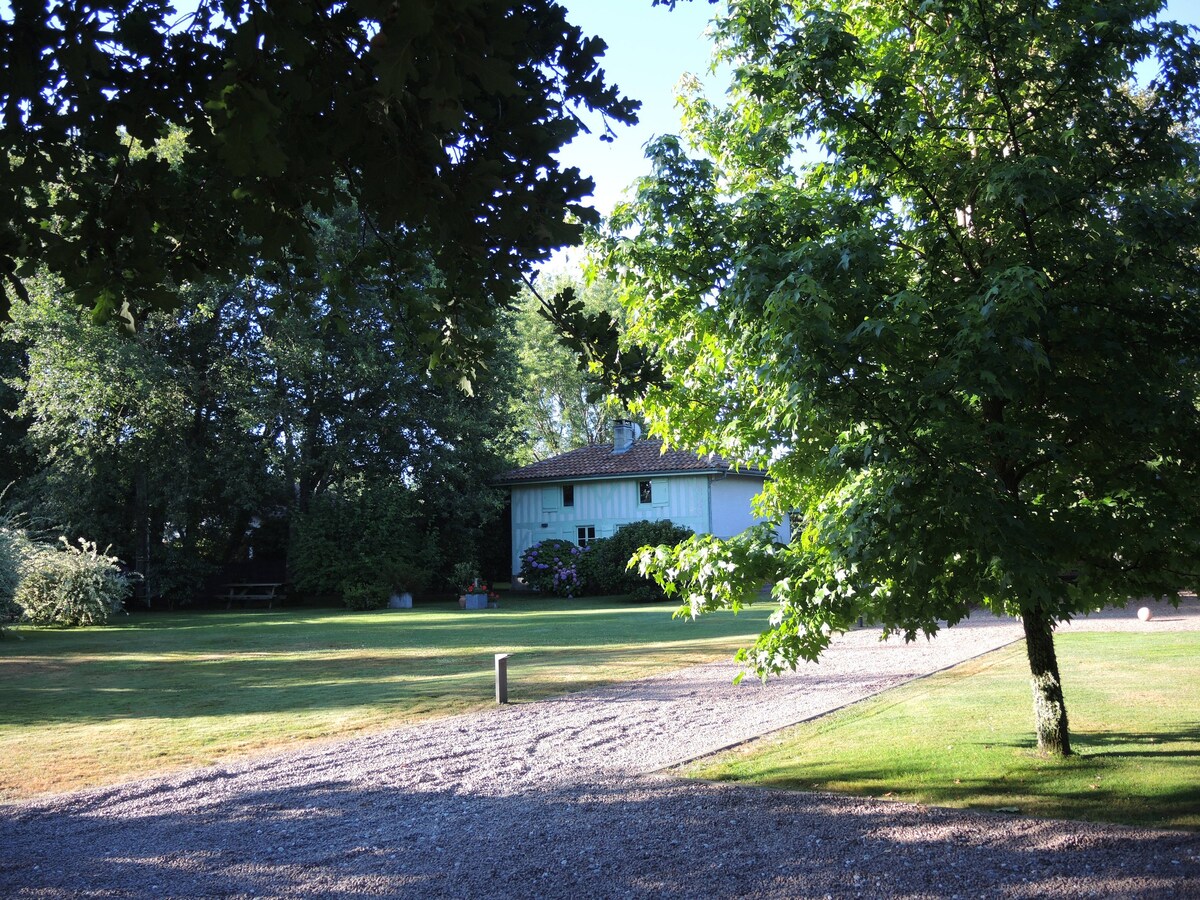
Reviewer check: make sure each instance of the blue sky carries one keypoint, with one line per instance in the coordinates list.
(649, 49)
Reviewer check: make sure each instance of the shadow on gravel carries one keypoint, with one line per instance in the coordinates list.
(642, 838)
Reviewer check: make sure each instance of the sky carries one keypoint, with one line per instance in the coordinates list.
(650, 47)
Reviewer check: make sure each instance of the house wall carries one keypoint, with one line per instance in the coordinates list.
(719, 505)
(731, 504)
(538, 513)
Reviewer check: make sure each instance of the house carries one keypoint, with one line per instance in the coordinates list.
(591, 492)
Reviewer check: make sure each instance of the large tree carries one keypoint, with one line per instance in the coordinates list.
(287, 399)
(438, 118)
(935, 267)
(561, 405)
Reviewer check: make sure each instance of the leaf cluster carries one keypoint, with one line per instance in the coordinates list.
(145, 147)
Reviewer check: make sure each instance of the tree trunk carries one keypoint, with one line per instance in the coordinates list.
(1049, 709)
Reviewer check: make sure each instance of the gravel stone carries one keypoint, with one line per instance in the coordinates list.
(569, 798)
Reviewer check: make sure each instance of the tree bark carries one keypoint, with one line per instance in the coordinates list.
(1049, 708)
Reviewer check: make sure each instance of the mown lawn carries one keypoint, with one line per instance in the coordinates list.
(158, 691)
(964, 738)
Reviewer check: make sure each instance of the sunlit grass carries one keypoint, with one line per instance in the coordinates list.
(964, 738)
(152, 692)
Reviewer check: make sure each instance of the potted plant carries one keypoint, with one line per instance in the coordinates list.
(476, 595)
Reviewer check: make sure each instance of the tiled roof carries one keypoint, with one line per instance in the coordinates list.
(645, 457)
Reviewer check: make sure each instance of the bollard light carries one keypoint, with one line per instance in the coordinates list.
(501, 677)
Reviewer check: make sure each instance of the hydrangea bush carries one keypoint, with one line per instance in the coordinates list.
(552, 567)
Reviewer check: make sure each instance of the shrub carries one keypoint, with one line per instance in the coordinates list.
(592, 568)
(71, 586)
(362, 542)
(551, 566)
(365, 596)
(14, 550)
(178, 575)
(607, 567)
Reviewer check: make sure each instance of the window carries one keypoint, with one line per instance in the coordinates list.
(587, 534)
(568, 497)
(645, 492)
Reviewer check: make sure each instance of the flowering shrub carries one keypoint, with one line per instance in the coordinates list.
(552, 566)
(72, 586)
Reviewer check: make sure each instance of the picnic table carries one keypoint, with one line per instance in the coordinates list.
(251, 590)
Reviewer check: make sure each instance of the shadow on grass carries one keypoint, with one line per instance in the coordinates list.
(1084, 786)
(381, 836)
(324, 675)
(1124, 744)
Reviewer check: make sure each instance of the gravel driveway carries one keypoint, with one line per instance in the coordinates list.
(564, 798)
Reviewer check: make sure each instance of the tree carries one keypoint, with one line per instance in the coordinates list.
(561, 406)
(143, 440)
(935, 268)
(440, 120)
(222, 425)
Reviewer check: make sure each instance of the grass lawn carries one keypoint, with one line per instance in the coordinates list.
(965, 738)
(152, 692)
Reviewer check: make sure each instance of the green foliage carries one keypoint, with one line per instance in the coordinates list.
(607, 569)
(124, 179)
(935, 268)
(559, 407)
(195, 439)
(552, 567)
(71, 586)
(363, 542)
(14, 551)
(463, 573)
(143, 440)
(363, 596)
(559, 567)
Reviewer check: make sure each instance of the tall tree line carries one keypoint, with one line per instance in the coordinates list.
(290, 410)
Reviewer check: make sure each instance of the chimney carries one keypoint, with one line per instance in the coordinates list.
(624, 434)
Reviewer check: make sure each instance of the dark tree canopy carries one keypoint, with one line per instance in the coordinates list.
(936, 268)
(437, 118)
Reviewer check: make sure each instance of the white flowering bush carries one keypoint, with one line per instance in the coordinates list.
(71, 586)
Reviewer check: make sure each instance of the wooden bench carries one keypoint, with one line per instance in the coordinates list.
(251, 590)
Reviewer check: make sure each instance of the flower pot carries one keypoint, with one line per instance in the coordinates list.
(476, 601)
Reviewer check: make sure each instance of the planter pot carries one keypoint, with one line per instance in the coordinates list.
(476, 601)
(400, 601)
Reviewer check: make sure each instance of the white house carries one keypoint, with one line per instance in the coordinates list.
(591, 492)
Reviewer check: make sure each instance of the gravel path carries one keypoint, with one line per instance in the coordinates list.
(566, 798)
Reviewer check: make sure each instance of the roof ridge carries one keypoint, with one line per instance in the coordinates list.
(645, 456)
